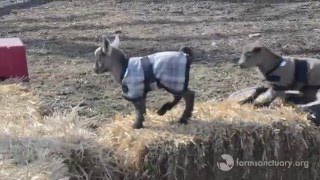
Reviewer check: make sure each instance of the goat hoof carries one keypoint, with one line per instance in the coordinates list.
(161, 112)
(261, 105)
(137, 126)
(183, 121)
(258, 106)
(242, 102)
(245, 101)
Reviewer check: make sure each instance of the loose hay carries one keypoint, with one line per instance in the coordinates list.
(42, 148)
(62, 147)
(165, 149)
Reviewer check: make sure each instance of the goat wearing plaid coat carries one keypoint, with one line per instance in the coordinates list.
(165, 70)
(139, 75)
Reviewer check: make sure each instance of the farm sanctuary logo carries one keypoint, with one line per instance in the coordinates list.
(228, 163)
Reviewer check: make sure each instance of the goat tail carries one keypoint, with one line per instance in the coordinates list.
(188, 52)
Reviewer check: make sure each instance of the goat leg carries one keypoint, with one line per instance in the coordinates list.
(140, 107)
(258, 91)
(269, 96)
(169, 105)
(188, 97)
(313, 110)
(266, 98)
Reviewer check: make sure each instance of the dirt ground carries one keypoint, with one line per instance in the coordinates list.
(61, 36)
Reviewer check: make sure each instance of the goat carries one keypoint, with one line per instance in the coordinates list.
(283, 74)
(139, 75)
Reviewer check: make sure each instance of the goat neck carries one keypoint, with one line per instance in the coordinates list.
(270, 62)
(119, 68)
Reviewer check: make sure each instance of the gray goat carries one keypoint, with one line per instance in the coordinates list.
(139, 75)
(283, 74)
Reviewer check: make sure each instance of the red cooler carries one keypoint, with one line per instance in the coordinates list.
(13, 61)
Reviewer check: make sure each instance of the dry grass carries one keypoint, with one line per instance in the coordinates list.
(208, 116)
(56, 147)
(166, 149)
(62, 146)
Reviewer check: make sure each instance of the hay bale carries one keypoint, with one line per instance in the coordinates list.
(60, 146)
(165, 149)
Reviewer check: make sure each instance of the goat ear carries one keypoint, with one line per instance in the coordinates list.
(116, 42)
(105, 44)
(257, 49)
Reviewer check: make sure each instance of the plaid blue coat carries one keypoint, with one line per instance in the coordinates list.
(169, 69)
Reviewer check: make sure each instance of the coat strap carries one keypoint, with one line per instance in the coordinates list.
(149, 76)
(269, 75)
(301, 71)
